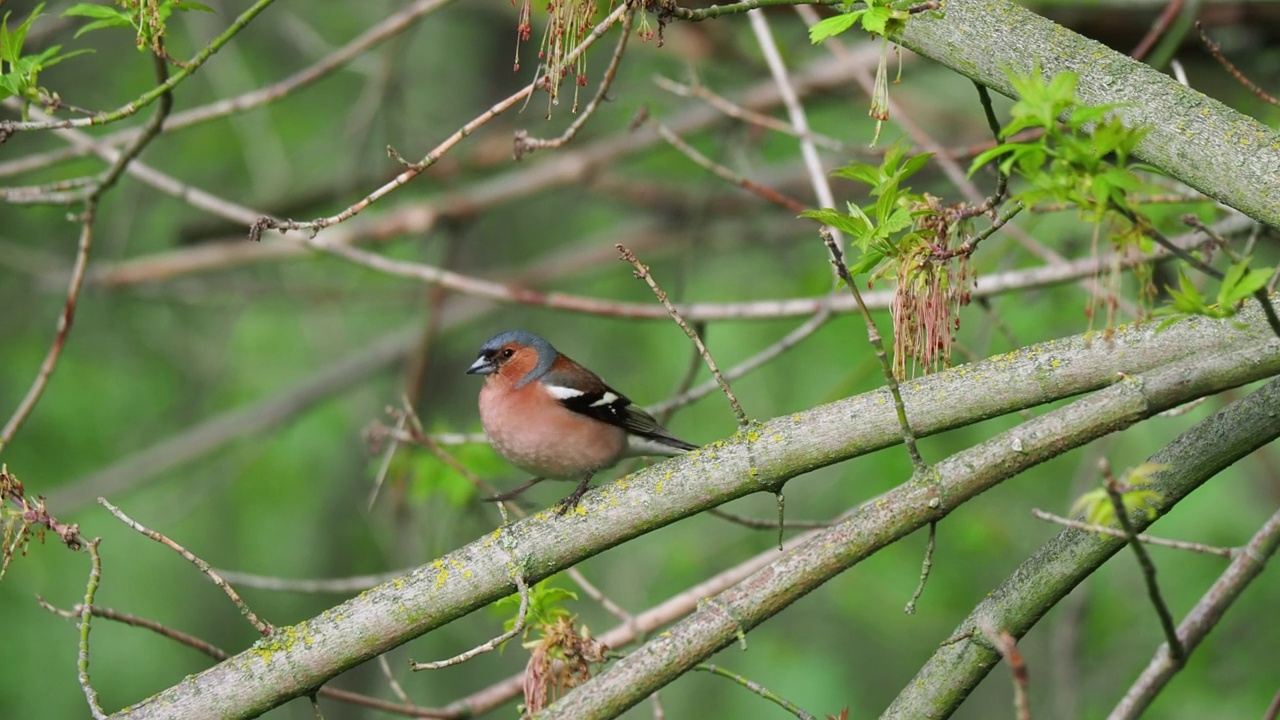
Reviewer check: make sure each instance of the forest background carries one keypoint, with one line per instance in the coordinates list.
(243, 398)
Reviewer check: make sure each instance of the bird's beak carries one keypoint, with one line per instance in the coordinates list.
(482, 366)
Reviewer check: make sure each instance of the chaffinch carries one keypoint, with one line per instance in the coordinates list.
(552, 417)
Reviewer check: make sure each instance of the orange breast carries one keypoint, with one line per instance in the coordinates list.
(557, 443)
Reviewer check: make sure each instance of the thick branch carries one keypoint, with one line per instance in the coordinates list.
(1226, 155)
(908, 507)
(1046, 577)
(295, 660)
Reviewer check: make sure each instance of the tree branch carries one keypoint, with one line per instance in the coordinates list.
(295, 660)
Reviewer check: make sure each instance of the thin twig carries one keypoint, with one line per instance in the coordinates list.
(788, 203)
(873, 334)
(525, 145)
(392, 682)
(642, 272)
(1246, 566)
(686, 381)
(1144, 225)
(925, 566)
(389, 453)
(1007, 646)
(86, 612)
(1216, 52)
(756, 688)
(1002, 184)
(795, 112)
(1273, 710)
(756, 524)
(103, 184)
(492, 644)
(737, 112)
(157, 93)
(1158, 29)
(106, 613)
(262, 627)
(217, 653)
(787, 342)
(412, 170)
(1148, 567)
(1141, 537)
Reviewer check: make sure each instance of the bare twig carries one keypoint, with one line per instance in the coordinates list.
(102, 185)
(1244, 568)
(86, 612)
(157, 93)
(412, 170)
(1007, 645)
(756, 688)
(387, 455)
(787, 342)
(724, 173)
(925, 566)
(392, 682)
(492, 644)
(737, 112)
(756, 524)
(262, 627)
(795, 112)
(1158, 29)
(1216, 52)
(1141, 537)
(391, 26)
(132, 620)
(642, 272)
(1114, 491)
(873, 334)
(407, 709)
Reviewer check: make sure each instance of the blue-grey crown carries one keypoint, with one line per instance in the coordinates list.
(546, 353)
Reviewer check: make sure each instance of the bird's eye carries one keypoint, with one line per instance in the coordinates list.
(507, 353)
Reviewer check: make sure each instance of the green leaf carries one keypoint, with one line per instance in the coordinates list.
(11, 40)
(1240, 282)
(1187, 298)
(899, 220)
(9, 86)
(99, 24)
(859, 172)
(869, 260)
(188, 6)
(876, 19)
(90, 10)
(914, 164)
(857, 226)
(886, 202)
(987, 156)
(832, 26)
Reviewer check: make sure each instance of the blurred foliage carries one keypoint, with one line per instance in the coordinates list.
(145, 361)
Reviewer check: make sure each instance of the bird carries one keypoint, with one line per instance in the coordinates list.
(550, 416)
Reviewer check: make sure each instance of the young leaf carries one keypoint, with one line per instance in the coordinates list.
(832, 26)
(876, 19)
